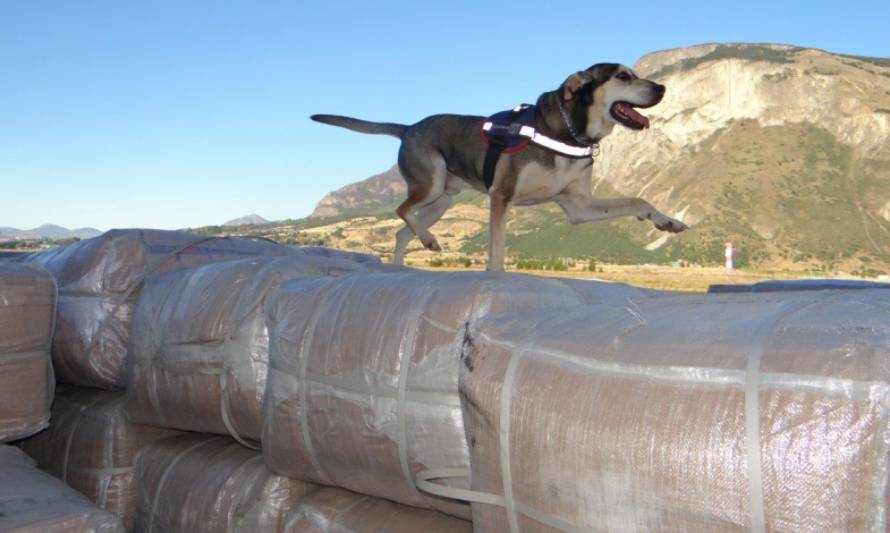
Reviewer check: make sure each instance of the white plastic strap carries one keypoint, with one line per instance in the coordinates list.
(302, 383)
(21, 356)
(163, 480)
(424, 482)
(225, 413)
(406, 350)
(504, 436)
(69, 439)
(54, 310)
(752, 411)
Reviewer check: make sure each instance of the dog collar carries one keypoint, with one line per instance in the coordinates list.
(580, 139)
(510, 124)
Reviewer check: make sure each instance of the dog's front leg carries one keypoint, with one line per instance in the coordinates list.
(497, 230)
(580, 208)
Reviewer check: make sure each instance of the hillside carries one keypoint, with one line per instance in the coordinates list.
(49, 232)
(371, 195)
(250, 220)
(782, 150)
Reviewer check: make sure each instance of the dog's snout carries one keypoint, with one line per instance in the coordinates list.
(659, 89)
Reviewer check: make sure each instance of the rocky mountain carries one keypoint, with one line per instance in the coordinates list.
(46, 232)
(782, 150)
(367, 196)
(252, 219)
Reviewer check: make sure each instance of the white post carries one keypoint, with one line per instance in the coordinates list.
(728, 257)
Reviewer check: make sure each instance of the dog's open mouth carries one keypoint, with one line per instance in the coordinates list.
(625, 113)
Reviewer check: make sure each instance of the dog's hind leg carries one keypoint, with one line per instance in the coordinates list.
(425, 175)
(426, 217)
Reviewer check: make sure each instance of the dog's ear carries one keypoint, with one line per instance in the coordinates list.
(602, 72)
(574, 82)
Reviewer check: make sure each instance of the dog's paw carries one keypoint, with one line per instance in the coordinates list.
(431, 244)
(672, 225)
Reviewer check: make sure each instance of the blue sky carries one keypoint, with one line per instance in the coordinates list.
(174, 113)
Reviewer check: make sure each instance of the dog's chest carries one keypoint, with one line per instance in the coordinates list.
(538, 183)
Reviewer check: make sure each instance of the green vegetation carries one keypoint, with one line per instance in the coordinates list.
(786, 74)
(879, 61)
(745, 52)
(35, 244)
(451, 262)
(558, 265)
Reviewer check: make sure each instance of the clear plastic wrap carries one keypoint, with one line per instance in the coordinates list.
(199, 346)
(99, 282)
(336, 510)
(209, 484)
(754, 412)
(91, 446)
(27, 307)
(789, 285)
(362, 389)
(32, 501)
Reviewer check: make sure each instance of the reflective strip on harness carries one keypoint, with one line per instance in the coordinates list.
(551, 144)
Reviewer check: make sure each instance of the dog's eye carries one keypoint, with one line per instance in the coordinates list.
(623, 76)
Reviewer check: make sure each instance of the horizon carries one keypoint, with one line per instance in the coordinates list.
(172, 116)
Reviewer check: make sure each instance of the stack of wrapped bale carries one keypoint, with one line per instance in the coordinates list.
(92, 446)
(32, 501)
(199, 350)
(362, 390)
(760, 412)
(99, 283)
(331, 509)
(210, 484)
(27, 308)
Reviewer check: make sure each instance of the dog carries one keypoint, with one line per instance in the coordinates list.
(443, 154)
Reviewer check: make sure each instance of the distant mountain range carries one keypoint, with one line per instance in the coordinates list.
(46, 232)
(250, 220)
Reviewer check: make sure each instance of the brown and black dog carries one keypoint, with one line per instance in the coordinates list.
(442, 154)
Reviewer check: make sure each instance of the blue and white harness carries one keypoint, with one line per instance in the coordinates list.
(511, 131)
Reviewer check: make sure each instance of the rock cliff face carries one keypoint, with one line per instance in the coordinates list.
(366, 196)
(710, 87)
(783, 150)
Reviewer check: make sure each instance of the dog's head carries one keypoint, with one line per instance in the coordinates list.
(607, 94)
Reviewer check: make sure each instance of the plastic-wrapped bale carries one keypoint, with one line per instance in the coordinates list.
(789, 285)
(32, 501)
(209, 484)
(199, 347)
(750, 412)
(92, 446)
(331, 509)
(99, 283)
(333, 253)
(362, 389)
(27, 307)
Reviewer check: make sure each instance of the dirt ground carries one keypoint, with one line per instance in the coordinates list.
(696, 279)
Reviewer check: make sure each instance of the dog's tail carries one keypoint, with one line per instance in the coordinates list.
(362, 126)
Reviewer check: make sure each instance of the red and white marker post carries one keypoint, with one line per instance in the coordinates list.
(728, 257)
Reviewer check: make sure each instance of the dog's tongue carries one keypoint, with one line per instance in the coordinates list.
(634, 115)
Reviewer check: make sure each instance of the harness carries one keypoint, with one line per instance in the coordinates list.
(511, 131)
